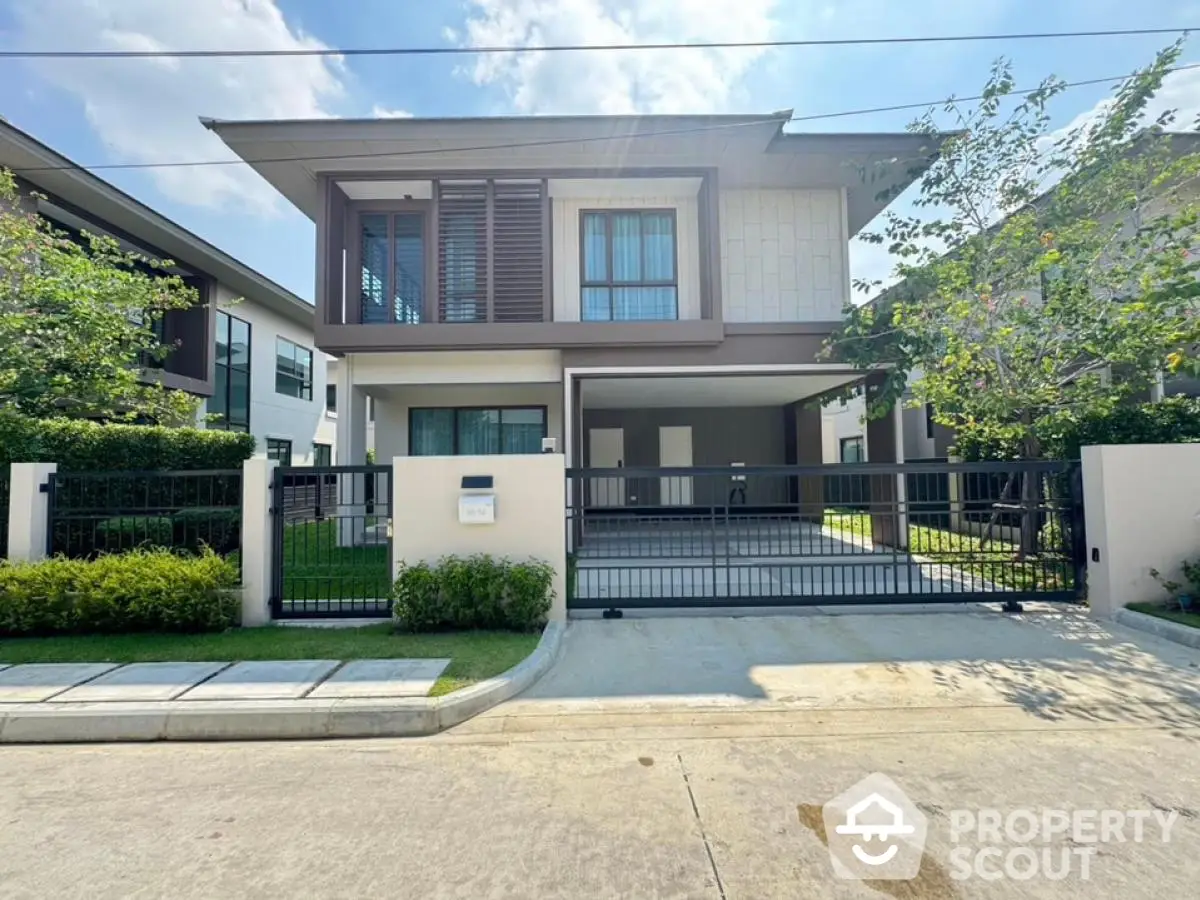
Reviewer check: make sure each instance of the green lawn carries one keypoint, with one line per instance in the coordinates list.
(316, 568)
(996, 562)
(474, 655)
(1173, 615)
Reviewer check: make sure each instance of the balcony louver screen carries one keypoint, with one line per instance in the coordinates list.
(517, 269)
(462, 251)
(493, 227)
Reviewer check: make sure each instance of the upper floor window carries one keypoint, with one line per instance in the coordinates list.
(230, 402)
(392, 254)
(628, 266)
(852, 450)
(293, 370)
(331, 399)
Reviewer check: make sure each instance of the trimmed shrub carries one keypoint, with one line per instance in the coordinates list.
(473, 592)
(82, 446)
(144, 590)
(1175, 420)
(217, 527)
(128, 532)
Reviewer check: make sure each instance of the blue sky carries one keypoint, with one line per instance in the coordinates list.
(146, 110)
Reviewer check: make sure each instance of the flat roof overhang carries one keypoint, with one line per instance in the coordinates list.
(746, 151)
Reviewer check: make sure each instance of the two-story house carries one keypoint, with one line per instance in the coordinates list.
(645, 290)
(246, 349)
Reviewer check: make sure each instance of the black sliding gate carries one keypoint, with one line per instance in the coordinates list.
(331, 552)
(923, 532)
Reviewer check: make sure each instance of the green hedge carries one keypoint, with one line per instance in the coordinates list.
(81, 446)
(145, 590)
(473, 592)
(1175, 420)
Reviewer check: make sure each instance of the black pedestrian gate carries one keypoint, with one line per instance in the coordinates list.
(332, 549)
(864, 533)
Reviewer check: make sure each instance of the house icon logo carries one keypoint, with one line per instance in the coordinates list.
(874, 831)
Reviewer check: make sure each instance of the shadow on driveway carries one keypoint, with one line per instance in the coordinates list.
(1054, 665)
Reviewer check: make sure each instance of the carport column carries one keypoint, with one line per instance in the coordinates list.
(885, 444)
(351, 451)
(28, 510)
(257, 541)
(809, 452)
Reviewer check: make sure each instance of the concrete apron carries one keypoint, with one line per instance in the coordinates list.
(857, 674)
(247, 701)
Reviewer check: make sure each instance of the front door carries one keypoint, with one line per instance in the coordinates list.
(675, 450)
(606, 450)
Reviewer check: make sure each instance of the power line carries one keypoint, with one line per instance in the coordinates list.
(572, 48)
(518, 145)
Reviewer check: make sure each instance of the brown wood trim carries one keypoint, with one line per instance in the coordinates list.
(532, 335)
(547, 254)
(710, 246)
(489, 247)
(520, 173)
(781, 327)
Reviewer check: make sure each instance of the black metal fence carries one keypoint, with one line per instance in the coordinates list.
(109, 512)
(820, 535)
(331, 547)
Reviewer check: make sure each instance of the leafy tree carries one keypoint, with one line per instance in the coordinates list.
(1020, 301)
(78, 325)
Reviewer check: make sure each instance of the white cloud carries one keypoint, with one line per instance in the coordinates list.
(145, 110)
(616, 82)
(382, 112)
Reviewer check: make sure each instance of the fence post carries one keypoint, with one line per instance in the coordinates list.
(28, 510)
(257, 536)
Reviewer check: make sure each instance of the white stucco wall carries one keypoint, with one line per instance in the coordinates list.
(784, 255)
(273, 415)
(1142, 512)
(565, 243)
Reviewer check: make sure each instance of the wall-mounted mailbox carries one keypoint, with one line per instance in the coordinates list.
(477, 509)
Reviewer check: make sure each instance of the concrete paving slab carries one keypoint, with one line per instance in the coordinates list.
(264, 680)
(34, 682)
(382, 678)
(143, 681)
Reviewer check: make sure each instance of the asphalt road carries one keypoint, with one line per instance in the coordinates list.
(704, 804)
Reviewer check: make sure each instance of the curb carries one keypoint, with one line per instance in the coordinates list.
(1167, 630)
(255, 720)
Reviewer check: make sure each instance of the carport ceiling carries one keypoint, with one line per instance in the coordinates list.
(665, 392)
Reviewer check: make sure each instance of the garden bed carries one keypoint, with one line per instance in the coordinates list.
(1171, 615)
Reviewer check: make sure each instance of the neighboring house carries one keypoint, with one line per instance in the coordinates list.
(642, 290)
(924, 438)
(246, 349)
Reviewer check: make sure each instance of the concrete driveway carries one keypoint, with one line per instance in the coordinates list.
(1051, 665)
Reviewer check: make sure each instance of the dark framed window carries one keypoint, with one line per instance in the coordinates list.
(230, 402)
(280, 451)
(293, 369)
(331, 398)
(628, 265)
(393, 258)
(852, 450)
(322, 455)
(476, 431)
(929, 423)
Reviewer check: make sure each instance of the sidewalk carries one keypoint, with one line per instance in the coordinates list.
(51, 702)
